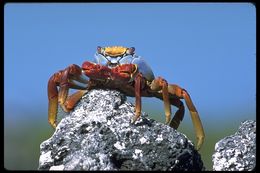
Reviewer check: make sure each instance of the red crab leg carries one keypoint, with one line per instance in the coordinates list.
(65, 84)
(138, 103)
(61, 79)
(182, 93)
(53, 99)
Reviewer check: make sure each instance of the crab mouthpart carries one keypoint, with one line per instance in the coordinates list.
(111, 65)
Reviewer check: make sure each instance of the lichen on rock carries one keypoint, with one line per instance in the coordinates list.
(98, 135)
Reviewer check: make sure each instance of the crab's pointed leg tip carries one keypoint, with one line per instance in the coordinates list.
(198, 148)
(64, 108)
(54, 125)
(199, 144)
(133, 120)
(167, 123)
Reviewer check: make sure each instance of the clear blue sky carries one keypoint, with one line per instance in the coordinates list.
(209, 49)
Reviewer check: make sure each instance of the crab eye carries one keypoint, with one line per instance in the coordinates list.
(99, 49)
(130, 51)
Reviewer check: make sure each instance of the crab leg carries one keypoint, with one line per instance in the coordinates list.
(166, 101)
(62, 80)
(179, 114)
(73, 99)
(161, 85)
(182, 93)
(138, 103)
(53, 99)
(65, 83)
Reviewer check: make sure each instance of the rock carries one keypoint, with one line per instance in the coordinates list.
(237, 152)
(98, 135)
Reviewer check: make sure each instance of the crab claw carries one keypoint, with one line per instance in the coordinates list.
(96, 71)
(124, 72)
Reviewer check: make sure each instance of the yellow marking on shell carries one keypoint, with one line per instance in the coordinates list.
(115, 50)
(134, 72)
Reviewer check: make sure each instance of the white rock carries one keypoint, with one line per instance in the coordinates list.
(118, 146)
(159, 138)
(46, 157)
(137, 153)
(144, 140)
(57, 168)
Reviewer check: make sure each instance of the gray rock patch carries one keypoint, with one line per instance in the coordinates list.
(237, 152)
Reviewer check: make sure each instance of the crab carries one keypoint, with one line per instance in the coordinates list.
(119, 68)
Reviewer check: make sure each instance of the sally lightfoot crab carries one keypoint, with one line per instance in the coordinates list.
(121, 69)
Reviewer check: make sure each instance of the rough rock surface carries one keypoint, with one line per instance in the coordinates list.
(98, 135)
(237, 152)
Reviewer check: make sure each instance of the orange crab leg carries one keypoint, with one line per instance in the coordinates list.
(182, 93)
(166, 101)
(73, 99)
(161, 85)
(138, 103)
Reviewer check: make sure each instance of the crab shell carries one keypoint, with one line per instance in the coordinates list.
(114, 56)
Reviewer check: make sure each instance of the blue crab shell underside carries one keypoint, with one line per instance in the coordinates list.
(143, 67)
